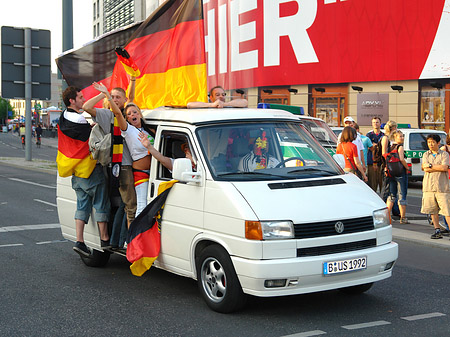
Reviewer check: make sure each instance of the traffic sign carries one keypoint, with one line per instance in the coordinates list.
(13, 63)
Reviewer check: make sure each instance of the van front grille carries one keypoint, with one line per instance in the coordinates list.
(328, 228)
(338, 248)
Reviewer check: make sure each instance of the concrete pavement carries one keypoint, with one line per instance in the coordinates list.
(418, 231)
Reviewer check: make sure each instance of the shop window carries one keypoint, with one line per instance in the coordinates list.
(275, 95)
(329, 105)
(432, 108)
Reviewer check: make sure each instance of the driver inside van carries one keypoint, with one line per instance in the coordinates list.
(166, 161)
(259, 157)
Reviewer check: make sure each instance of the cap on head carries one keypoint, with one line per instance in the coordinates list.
(349, 119)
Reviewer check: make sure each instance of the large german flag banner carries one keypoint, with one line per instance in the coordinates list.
(73, 156)
(168, 49)
(144, 238)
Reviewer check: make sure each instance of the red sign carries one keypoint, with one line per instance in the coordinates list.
(252, 43)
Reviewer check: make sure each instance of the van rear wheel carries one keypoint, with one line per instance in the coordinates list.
(355, 290)
(97, 259)
(217, 280)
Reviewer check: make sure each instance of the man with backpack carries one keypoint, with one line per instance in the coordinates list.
(374, 162)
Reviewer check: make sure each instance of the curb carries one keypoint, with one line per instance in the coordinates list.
(421, 238)
(44, 166)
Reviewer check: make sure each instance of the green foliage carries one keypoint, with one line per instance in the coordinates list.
(4, 108)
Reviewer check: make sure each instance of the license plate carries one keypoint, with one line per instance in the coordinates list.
(344, 266)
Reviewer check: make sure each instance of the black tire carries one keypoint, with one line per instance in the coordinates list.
(97, 259)
(356, 290)
(217, 280)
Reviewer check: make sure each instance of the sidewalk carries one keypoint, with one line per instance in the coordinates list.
(418, 231)
(45, 166)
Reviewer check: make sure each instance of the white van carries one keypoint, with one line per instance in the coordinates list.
(302, 226)
(415, 145)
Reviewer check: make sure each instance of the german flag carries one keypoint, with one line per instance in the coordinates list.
(167, 48)
(73, 156)
(144, 239)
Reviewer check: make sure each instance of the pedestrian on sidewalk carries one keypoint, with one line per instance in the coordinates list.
(374, 171)
(435, 185)
(397, 139)
(445, 231)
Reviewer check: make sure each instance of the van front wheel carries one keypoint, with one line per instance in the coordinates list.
(217, 280)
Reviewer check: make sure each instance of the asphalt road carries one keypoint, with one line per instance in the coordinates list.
(46, 290)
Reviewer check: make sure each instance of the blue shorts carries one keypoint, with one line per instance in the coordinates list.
(92, 192)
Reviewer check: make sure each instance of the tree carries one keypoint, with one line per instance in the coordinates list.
(5, 106)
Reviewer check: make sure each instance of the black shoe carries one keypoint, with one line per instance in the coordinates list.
(436, 235)
(82, 249)
(445, 232)
(105, 244)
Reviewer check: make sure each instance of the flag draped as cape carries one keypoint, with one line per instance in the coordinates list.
(73, 156)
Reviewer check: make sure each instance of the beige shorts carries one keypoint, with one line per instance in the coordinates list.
(127, 192)
(436, 203)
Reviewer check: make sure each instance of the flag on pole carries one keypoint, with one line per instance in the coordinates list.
(168, 50)
(144, 239)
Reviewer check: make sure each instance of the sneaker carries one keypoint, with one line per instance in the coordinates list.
(445, 232)
(82, 249)
(404, 221)
(105, 244)
(436, 235)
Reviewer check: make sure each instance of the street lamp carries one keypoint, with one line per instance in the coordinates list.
(292, 90)
(320, 89)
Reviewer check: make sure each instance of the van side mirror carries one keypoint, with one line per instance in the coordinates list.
(182, 171)
(339, 159)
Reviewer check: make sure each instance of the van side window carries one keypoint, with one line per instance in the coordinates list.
(174, 145)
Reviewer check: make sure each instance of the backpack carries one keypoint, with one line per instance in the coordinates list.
(394, 167)
(100, 145)
(377, 153)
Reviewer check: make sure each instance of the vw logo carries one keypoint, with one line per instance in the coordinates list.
(339, 227)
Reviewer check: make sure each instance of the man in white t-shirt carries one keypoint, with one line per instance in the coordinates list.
(349, 121)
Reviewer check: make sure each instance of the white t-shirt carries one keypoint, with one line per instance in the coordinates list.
(131, 135)
(75, 117)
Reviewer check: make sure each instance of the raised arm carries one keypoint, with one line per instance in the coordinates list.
(166, 161)
(89, 105)
(195, 105)
(236, 103)
(115, 109)
(131, 90)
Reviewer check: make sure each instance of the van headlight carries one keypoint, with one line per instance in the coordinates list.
(381, 218)
(269, 230)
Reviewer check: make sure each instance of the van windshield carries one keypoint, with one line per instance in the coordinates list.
(264, 151)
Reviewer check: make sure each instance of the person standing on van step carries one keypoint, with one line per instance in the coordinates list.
(104, 117)
(374, 156)
(217, 100)
(435, 186)
(131, 128)
(88, 179)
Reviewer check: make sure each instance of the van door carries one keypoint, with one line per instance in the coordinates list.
(182, 217)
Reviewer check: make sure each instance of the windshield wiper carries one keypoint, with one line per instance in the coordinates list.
(243, 173)
(312, 169)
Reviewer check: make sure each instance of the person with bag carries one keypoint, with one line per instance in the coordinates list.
(397, 174)
(374, 172)
(445, 231)
(350, 152)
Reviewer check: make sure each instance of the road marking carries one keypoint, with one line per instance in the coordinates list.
(308, 333)
(424, 316)
(32, 183)
(45, 202)
(28, 227)
(365, 325)
(49, 242)
(12, 245)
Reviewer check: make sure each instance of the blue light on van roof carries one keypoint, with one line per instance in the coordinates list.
(399, 126)
(296, 110)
